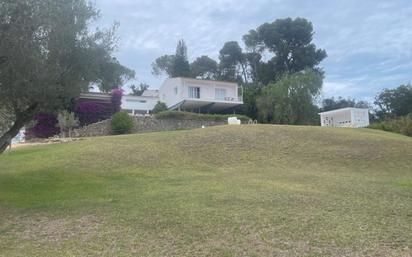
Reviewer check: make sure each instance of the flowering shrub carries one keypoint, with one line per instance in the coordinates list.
(87, 111)
(45, 126)
(90, 112)
(117, 95)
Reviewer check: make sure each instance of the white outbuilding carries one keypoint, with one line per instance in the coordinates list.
(345, 117)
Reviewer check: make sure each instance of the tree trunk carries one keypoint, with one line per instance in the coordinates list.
(244, 71)
(5, 140)
(21, 119)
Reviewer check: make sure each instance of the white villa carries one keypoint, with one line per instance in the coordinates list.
(345, 117)
(187, 94)
(194, 94)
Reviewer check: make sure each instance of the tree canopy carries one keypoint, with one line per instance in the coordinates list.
(49, 55)
(176, 65)
(204, 67)
(232, 62)
(290, 43)
(181, 67)
(291, 99)
(329, 104)
(394, 102)
(138, 91)
(164, 65)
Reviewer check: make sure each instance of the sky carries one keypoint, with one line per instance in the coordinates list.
(369, 42)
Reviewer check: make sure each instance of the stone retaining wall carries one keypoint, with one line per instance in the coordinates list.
(144, 124)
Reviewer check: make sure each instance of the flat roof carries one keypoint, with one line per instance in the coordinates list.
(207, 80)
(95, 95)
(141, 96)
(343, 109)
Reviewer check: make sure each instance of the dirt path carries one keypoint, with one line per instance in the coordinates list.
(19, 145)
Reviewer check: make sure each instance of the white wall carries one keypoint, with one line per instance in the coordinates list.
(141, 104)
(167, 93)
(20, 137)
(208, 89)
(340, 119)
(360, 117)
(347, 117)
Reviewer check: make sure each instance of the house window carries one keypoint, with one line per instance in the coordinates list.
(175, 90)
(194, 92)
(220, 94)
(135, 101)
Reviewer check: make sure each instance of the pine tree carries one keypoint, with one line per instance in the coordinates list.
(181, 67)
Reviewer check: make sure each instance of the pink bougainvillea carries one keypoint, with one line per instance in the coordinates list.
(45, 126)
(90, 112)
(87, 111)
(117, 95)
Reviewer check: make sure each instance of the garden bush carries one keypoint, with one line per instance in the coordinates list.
(121, 123)
(159, 107)
(401, 125)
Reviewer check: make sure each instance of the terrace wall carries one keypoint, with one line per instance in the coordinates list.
(144, 124)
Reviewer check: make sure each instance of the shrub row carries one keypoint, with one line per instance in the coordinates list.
(198, 116)
(86, 110)
(402, 125)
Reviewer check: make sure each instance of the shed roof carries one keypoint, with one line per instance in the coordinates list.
(207, 81)
(343, 110)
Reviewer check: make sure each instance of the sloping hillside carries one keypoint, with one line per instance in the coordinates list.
(222, 191)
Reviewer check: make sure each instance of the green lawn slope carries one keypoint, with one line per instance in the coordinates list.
(253, 190)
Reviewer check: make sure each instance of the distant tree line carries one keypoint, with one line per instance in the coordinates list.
(333, 103)
(388, 104)
(394, 103)
(394, 110)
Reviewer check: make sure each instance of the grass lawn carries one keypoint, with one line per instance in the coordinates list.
(222, 191)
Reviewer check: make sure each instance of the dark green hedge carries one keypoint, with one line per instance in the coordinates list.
(198, 116)
(121, 123)
(401, 125)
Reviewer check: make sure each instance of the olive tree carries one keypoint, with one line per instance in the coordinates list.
(67, 121)
(48, 55)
